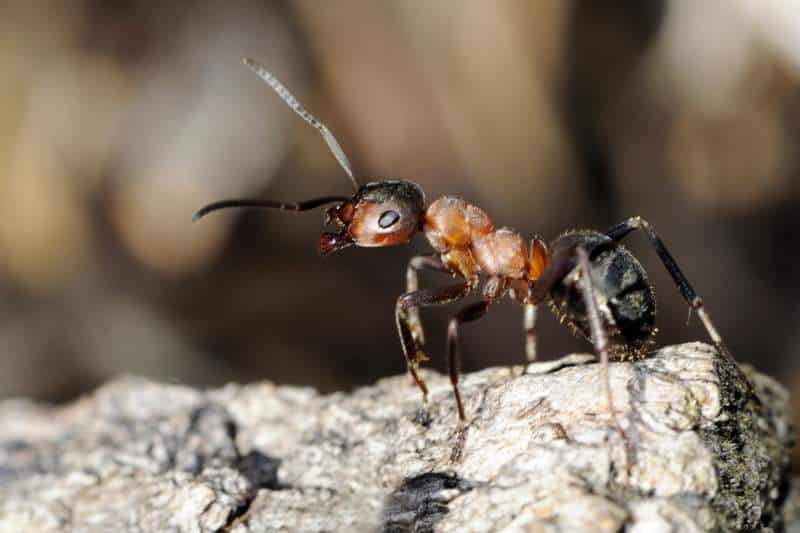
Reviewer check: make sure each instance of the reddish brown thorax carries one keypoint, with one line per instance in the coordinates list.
(469, 243)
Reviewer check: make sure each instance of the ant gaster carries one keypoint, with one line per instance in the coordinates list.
(589, 280)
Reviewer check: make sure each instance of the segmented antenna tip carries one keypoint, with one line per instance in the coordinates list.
(294, 104)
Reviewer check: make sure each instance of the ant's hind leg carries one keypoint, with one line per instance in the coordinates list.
(599, 337)
(421, 298)
(695, 302)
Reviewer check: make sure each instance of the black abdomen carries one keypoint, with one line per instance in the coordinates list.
(624, 295)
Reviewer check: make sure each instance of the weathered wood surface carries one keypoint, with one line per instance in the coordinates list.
(540, 454)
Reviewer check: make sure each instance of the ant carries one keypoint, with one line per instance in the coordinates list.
(590, 281)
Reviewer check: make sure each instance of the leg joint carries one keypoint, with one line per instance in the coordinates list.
(405, 301)
(638, 222)
(452, 327)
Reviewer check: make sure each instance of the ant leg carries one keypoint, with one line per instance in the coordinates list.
(411, 315)
(599, 337)
(467, 314)
(421, 298)
(695, 302)
(529, 326)
(562, 262)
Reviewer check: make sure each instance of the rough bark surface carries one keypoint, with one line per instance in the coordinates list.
(540, 454)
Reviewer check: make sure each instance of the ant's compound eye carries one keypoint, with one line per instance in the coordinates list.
(388, 219)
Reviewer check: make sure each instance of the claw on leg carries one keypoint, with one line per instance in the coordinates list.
(459, 441)
(406, 305)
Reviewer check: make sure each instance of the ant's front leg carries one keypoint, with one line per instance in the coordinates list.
(411, 316)
(416, 299)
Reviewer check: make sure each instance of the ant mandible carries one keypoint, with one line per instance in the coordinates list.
(589, 280)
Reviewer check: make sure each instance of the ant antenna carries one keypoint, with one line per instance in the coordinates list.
(267, 204)
(292, 102)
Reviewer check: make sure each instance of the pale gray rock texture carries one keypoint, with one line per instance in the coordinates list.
(540, 454)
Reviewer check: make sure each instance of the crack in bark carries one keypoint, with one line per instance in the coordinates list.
(421, 501)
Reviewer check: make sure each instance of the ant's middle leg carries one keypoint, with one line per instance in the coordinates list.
(416, 299)
(467, 314)
(560, 264)
(529, 327)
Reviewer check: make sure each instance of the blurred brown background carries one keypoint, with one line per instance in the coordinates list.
(119, 118)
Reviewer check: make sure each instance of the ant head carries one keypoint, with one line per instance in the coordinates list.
(382, 213)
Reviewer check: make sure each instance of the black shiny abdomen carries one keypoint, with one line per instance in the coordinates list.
(624, 294)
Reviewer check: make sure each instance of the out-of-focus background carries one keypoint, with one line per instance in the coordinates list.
(119, 118)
